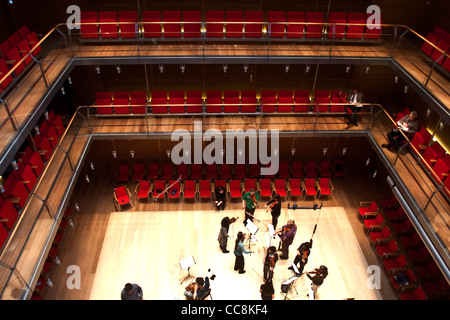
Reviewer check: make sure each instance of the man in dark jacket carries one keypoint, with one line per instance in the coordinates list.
(408, 124)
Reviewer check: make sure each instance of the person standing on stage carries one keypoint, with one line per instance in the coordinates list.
(249, 203)
(317, 280)
(132, 291)
(287, 234)
(267, 290)
(223, 233)
(270, 262)
(275, 208)
(220, 198)
(301, 258)
(239, 250)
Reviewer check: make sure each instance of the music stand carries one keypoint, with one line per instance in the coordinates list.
(187, 263)
(271, 233)
(253, 229)
(294, 267)
(287, 285)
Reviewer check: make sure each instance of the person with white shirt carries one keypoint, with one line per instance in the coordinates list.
(354, 98)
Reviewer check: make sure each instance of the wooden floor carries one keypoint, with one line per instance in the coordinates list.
(145, 243)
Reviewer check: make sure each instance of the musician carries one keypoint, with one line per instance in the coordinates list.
(317, 280)
(223, 233)
(287, 234)
(249, 203)
(303, 252)
(269, 263)
(275, 208)
(239, 250)
(267, 290)
(220, 198)
(197, 288)
(354, 98)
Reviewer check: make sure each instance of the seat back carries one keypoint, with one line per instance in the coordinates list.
(173, 28)
(127, 24)
(192, 29)
(214, 24)
(234, 30)
(253, 29)
(152, 29)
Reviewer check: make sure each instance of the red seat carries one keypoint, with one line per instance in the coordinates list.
(205, 189)
(153, 171)
(14, 39)
(196, 172)
(121, 102)
(36, 163)
(240, 171)
(301, 100)
(182, 170)
(192, 29)
(176, 101)
(189, 190)
(123, 173)
(402, 227)
(138, 102)
(310, 187)
(225, 172)
(295, 187)
(277, 23)
(437, 55)
(211, 171)
(5, 47)
(390, 247)
(33, 42)
(412, 241)
(51, 134)
(103, 99)
(426, 47)
(159, 102)
(23, 31)
(167, 172)
(389, 203)
(143, 189)
(25, 174)
(439, 32)
(411, 279)
(376, 223)
(8, 214)
(314, 30)
(58, 125)
(253, 29)
(214, 24)
(440, 170)
(88, 28)
(337, 31)
(194, 103)
(15, 191)
(14, 57)
(174, 191)
(416, 294)
(108, 24)
(356, 30)
(438, 289)
(297, 169)
(152, 24)
(250, 184)
(295, 27)
(231, 101)
(235, 189)
(324, 168)
(43, 146)
(280, 187)
(122, 197)
(311, 169)
(336, 98)
(248, 100)
(420, 142)
(367, 211)
(172, 29)
(375, 31)
(138, 172)
(266, 187)
(396, 263)
(255, 170)
(268, 100)
(283, 171)
(128, 24)
(214, 101)
(285, 101)
(446, 64)
(158, 188)
(24, 49)
(234, 30)
(325, 187)
(380, 235)
(428, 271)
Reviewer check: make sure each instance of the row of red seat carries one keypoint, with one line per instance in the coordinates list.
(230, 101)
(441, 39)
(28, 167)
(230, 24)
(14, 49)
(297, 169)
(401, 249)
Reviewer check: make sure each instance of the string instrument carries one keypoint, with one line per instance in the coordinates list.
(273, 204)
(190, 287)
(304, 254)
(272, 261)
(233, 220)
(254, 200)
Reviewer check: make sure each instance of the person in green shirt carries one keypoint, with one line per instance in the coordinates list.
(249, 203)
